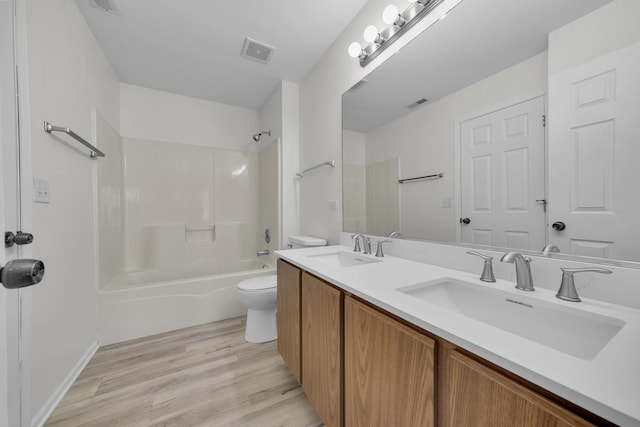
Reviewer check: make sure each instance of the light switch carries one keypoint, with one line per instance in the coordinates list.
(41, 193)
(333, 205)
(447, 202)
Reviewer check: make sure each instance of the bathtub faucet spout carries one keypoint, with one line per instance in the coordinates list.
(263, 252)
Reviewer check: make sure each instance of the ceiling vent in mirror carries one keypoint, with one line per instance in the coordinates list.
(418, 102)
(257, 51)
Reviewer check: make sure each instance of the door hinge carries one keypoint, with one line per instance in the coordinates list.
(544, 120)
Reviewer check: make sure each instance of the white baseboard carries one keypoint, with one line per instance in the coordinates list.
(50, 405)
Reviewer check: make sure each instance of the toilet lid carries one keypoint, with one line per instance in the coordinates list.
(259, 283)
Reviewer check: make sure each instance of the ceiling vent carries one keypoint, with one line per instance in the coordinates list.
(257, 51)
(418, 102)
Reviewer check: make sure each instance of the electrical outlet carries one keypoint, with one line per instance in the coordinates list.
(333, 205)
(41, 193)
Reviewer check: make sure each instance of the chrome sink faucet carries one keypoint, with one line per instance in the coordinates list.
(524, 281)
(366, 243)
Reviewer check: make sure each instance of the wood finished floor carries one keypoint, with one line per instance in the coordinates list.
(205, 375)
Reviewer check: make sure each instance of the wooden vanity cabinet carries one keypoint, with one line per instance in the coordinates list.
(322, 348)
(288, 323)
(361, 366)
(389, 370)
(472, 393)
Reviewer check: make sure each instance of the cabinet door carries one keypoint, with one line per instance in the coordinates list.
(389, 370)
(289, 316)
(322, 348)
(479, 395)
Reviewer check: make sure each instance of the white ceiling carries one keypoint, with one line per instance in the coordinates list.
(192, 47)
(477, 39)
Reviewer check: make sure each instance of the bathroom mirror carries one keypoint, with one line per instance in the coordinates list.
(491, 68)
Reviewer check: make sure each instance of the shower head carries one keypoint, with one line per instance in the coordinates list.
(257, 136)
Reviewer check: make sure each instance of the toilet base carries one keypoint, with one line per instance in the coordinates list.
(261, 326)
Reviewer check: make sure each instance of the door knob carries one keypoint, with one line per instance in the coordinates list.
(19, 273)
(465, 221)
(558, 226)
(19, 238)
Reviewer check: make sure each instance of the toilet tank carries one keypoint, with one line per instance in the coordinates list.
(306, 241)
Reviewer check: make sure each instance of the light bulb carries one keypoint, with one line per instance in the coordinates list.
(390, 14)
(355, 50)
(370, 34)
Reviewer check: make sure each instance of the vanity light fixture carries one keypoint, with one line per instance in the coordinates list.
(356, 51)
(391, 16)
(371, 35)
(397, 24)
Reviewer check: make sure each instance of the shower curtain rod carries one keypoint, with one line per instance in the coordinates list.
(48, 127)
(331, 163)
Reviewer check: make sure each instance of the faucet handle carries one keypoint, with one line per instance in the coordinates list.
(487, 270)
(356, 247)
(379, 252)
(567, 289)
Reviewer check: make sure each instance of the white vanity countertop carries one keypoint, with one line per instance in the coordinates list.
(608, 385)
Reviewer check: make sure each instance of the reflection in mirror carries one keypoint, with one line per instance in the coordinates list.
(464, 101)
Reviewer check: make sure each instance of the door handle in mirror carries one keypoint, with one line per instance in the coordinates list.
(558, 226)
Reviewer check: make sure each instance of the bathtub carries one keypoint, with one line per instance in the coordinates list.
(142, 303)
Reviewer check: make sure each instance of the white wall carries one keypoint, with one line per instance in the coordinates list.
(280, 114)
(354, 181)
(425, 141)
(290, 155)
(354, 150)
(604, 30)
(68, 76)
(162, 116)
(271, 118)
(268, 197)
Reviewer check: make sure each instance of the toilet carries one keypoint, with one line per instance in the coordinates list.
(259, 295)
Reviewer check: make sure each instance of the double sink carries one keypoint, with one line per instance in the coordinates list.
(557, 325)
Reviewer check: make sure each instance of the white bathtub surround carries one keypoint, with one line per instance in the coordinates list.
(606, 384)
(142, 304)
(187, 204)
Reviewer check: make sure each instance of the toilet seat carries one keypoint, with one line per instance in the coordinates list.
(259, 284)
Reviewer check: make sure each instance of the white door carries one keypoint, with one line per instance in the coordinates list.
(9, 332)
(594, 156)
(502, 177)
(14, 322)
